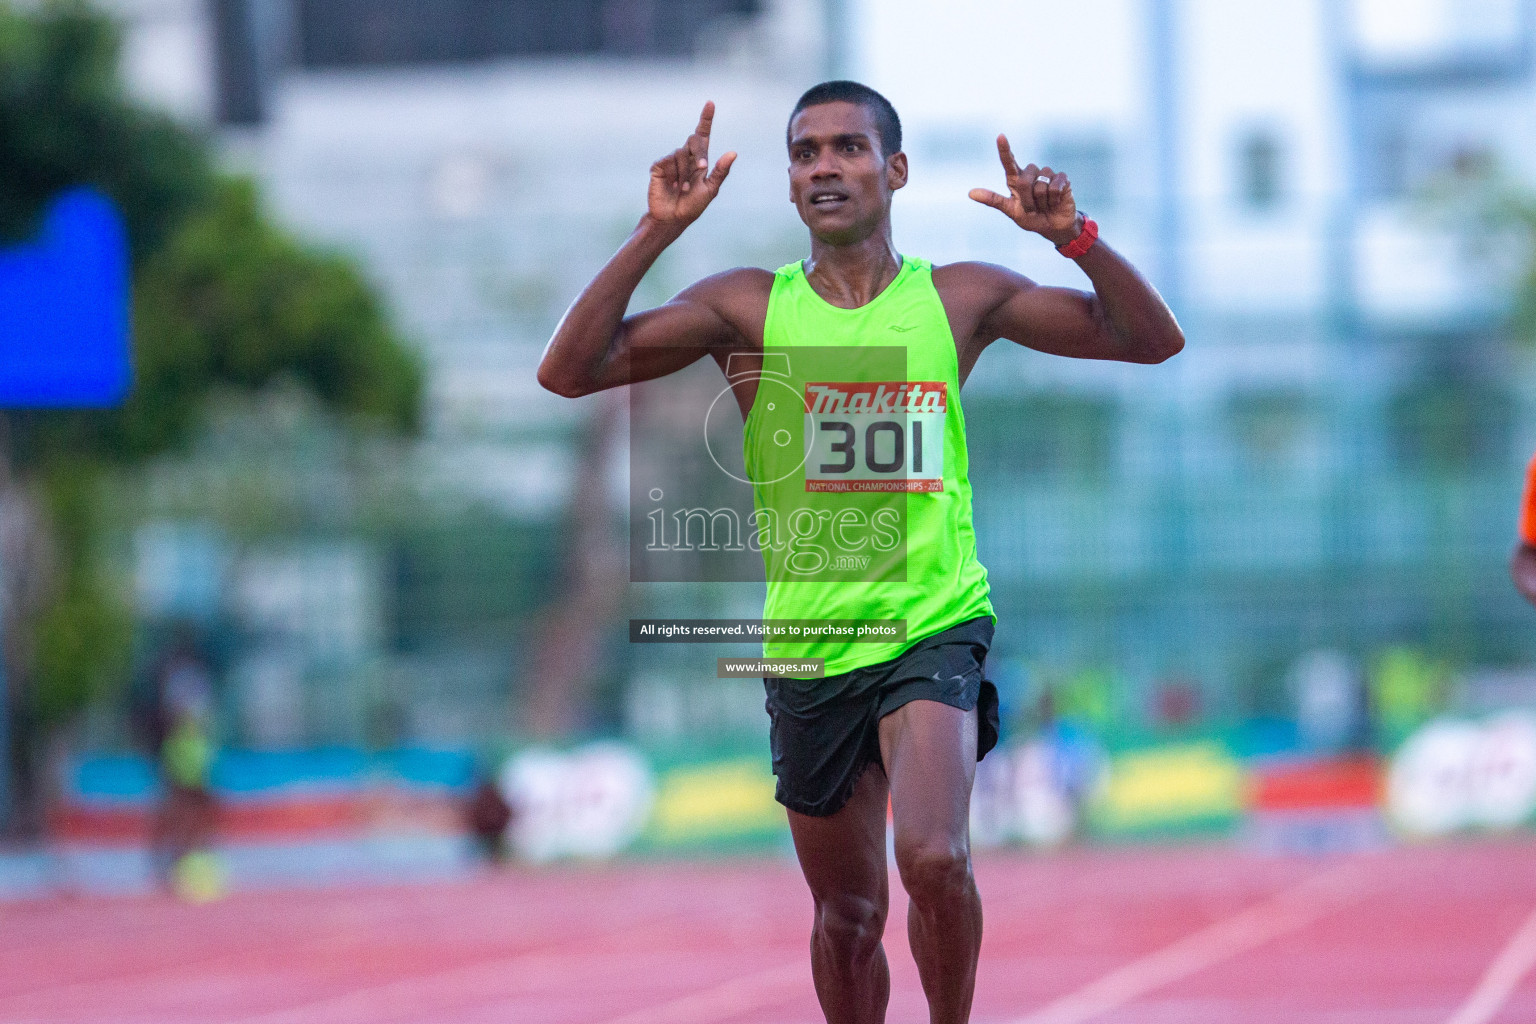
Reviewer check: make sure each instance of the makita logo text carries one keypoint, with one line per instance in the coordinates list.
(889, 397)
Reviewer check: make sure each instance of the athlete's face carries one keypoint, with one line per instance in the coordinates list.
(839, 180)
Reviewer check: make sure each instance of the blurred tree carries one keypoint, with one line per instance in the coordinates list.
(65, 120)
(223, 301)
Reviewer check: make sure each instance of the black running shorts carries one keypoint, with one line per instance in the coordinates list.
(824, 732)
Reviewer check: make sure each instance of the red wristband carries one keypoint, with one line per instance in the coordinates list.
(1083, 242)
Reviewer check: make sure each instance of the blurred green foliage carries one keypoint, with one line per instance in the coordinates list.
(232, 301)
(223, 300)
(81, 640)
(65, 120)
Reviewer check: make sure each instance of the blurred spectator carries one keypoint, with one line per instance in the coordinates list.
(1176, 702)
(1077, 761)
(1330, 701)
(179, 730)
(489, 815)
(1406, 690)
(1087, 697)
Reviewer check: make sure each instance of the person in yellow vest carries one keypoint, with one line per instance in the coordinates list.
(186, 819)
(857, 457)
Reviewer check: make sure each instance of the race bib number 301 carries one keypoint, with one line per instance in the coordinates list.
(877, 436)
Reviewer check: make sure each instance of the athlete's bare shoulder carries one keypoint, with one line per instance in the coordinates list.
(739, 296)
(971, 292)
(972, 281)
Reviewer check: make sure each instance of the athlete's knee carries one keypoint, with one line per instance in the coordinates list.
(934, 871)
(851, 925)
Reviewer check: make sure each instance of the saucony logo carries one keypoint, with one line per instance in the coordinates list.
(902, 330)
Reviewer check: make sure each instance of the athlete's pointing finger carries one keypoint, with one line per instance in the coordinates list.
(698, 143)
(1005, 154)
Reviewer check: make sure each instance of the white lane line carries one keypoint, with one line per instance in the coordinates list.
(1499, 981)
(723, 1001)
(1288, 911)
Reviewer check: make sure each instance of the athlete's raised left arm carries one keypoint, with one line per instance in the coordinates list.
(1122, 318)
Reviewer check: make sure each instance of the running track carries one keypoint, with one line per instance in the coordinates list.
(1427, 935)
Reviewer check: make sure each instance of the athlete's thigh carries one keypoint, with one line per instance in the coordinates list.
(843, 855)
(929, 751)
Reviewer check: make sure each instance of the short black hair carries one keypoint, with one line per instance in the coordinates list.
(887, 124)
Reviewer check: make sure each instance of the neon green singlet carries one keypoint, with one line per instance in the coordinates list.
(856, 448)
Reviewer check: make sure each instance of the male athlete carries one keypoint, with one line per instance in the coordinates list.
(906, 720)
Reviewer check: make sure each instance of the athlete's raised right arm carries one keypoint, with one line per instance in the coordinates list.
(595, 345)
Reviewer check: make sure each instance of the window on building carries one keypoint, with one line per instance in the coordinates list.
(1388, 170)
(1400, 166)
(1260, 160)
(360, 33)
(1276, 431)
(250, 46)
(1089, 162)
(1428, 34)
(1451, 423)
(1065, 438)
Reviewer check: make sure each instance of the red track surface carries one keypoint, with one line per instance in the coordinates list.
(1409, 936)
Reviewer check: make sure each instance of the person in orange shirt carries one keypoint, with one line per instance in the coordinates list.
(1522, 564)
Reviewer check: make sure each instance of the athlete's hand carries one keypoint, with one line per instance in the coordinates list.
(680, 188)
(1038, 198)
